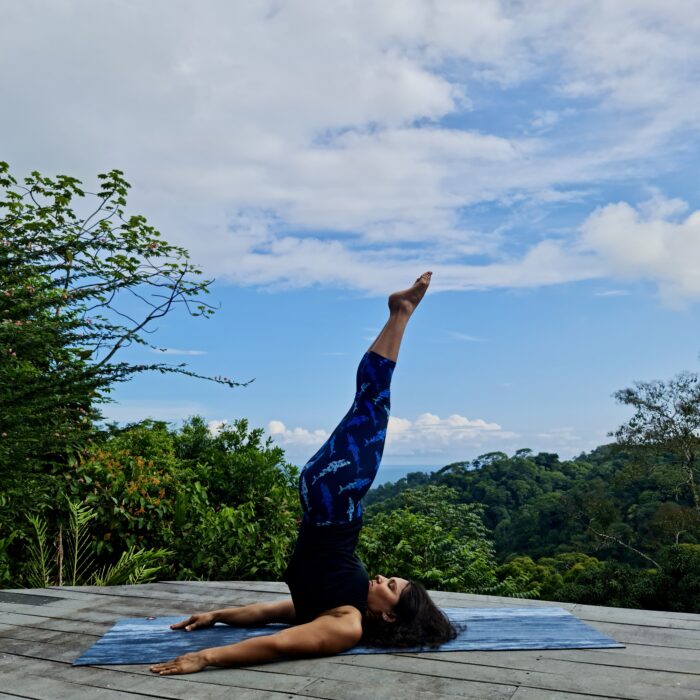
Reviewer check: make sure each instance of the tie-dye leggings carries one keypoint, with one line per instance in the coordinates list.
(334, 480)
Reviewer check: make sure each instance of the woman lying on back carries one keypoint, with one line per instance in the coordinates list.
(334, 603)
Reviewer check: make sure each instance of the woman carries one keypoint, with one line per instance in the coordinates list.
(334, 604)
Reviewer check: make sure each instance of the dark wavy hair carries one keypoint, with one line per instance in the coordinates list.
(419, 622)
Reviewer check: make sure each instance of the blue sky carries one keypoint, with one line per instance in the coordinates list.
(539, 157)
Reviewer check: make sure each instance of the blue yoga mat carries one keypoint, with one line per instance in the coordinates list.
(150, 640)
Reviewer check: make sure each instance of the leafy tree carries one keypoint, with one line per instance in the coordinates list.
(225, 504)
(612, 584)
(666, 423)
(80, 280)
(433, 538)
(247, 525)
(674, 520)
(680, 580)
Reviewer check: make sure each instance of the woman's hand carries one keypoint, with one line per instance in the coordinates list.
(187, 663)
(195, 622)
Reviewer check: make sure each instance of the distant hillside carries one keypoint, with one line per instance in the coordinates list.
(604, 502)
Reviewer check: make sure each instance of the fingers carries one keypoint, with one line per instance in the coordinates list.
(194, 622)
(187, 624)
(187, 663)
(165, 669)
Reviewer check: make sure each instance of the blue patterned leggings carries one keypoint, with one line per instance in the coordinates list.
(334, 480)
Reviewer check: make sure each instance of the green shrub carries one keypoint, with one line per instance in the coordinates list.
(680, 578)
(434, 539)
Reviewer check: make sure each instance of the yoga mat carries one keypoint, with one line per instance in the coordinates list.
(150, 640)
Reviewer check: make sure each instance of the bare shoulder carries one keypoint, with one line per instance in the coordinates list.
(346, 615)
(330, 633)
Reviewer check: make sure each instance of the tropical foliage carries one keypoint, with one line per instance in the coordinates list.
(81, 502)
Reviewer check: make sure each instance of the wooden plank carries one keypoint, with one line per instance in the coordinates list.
(642, 618)
(469, 600)
(62, 607)
(60, 625)
(268, 587)
(32, 634)
(359, 690)
(410, 685)
(550, 665)
(111, 608)
(637, 613)
(191, 600)
(158, 590)
(371, 679)
(65, 653)
(57, 592)
(582, 682)
(656, 636)
(39, 688)
(206, 681)
(660, 652)
(525, 693)
(278, 587)
(43, 688)
(635, 658)
(310, 669)
(217, 683)
(292, 676)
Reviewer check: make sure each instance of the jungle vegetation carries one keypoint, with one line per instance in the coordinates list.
(82, 501)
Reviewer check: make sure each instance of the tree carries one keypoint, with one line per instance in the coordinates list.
(666, 423)
(433, 538)
(80, 280)
(674, 520)
(680, 584)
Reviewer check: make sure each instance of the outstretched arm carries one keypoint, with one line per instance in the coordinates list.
(328, 634)
(245, 616)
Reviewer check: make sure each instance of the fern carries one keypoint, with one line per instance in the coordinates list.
(40, 567)
(80, 557)
(133, 567)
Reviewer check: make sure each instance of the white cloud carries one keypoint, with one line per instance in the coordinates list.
(565, 441)
(648, 243)
(429, 433)
(466, 337)
(216, 426)
(303, 143)
(296, 437)
(612, 293)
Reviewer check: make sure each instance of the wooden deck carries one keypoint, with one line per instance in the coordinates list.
(43, 631)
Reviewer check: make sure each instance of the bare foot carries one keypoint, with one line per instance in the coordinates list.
(407, 300)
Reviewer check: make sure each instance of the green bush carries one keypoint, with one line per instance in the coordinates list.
(680, 578)
(133, 497)
(434, 539)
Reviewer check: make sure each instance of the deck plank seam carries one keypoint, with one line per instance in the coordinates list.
(568, 661)
(140, 674)
(355, 662)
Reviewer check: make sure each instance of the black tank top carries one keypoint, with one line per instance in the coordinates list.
(324, 572)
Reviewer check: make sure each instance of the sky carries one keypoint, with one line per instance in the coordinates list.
(540, 157)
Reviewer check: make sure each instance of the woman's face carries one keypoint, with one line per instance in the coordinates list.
(383, 595)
